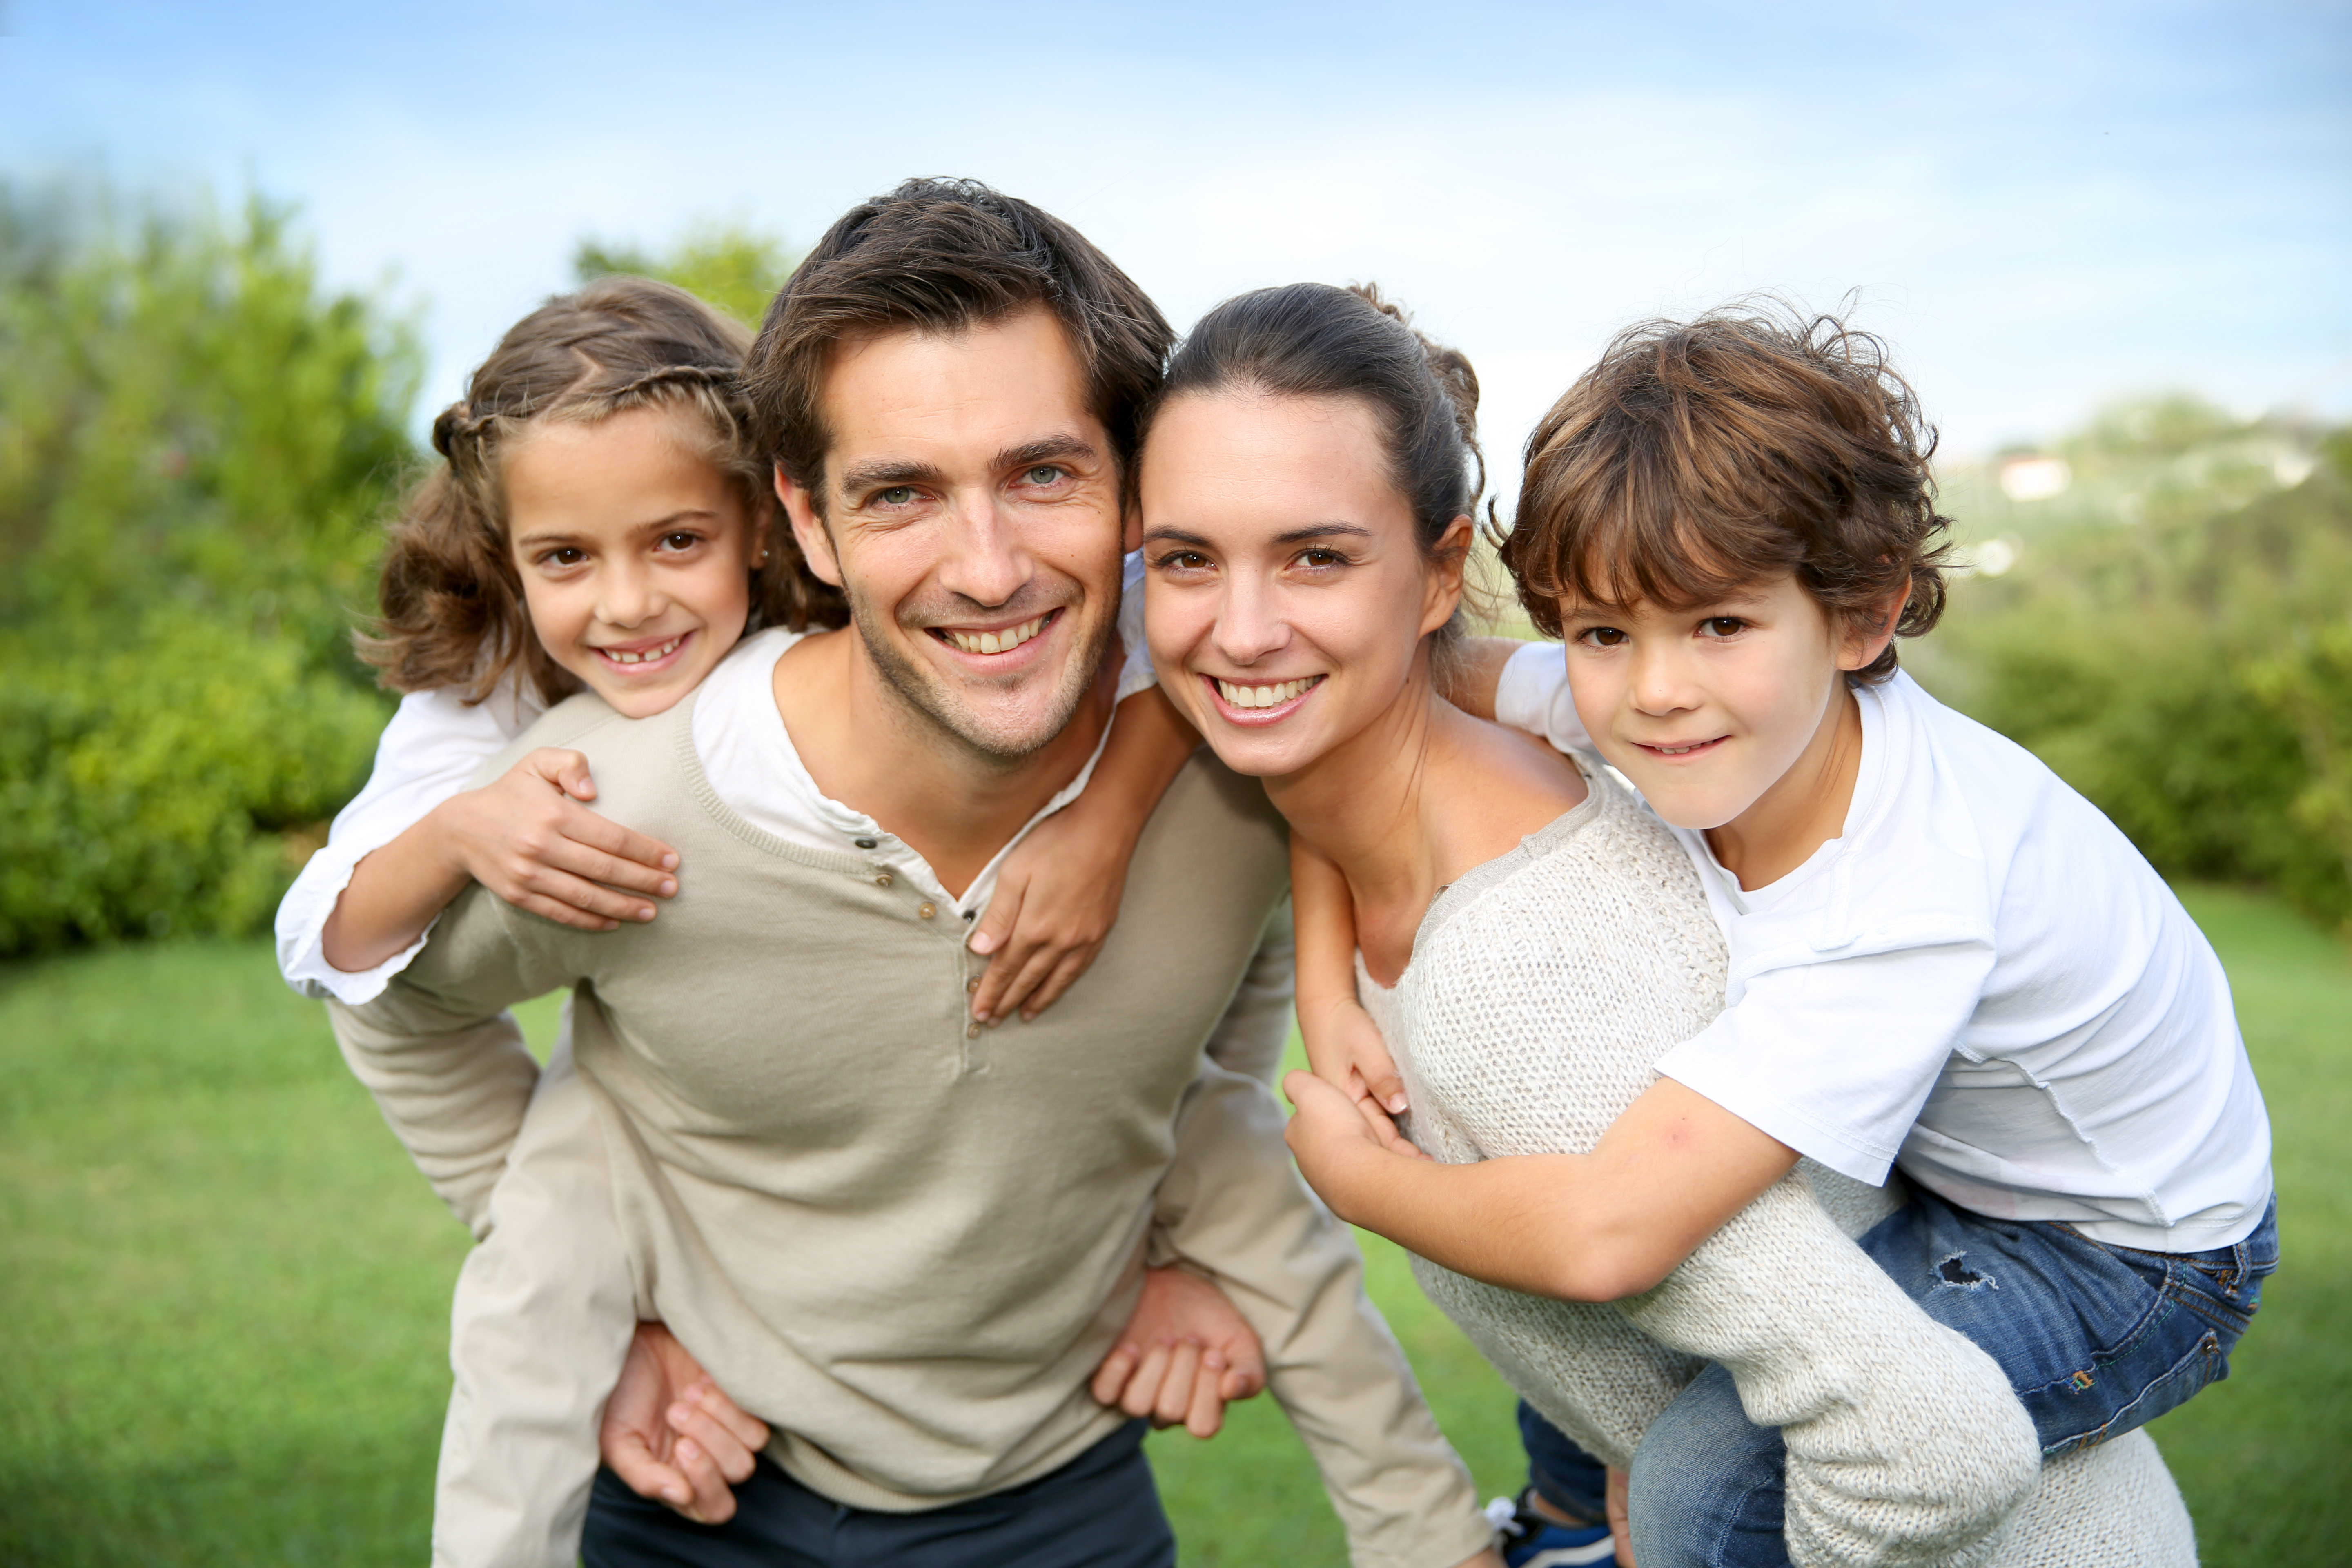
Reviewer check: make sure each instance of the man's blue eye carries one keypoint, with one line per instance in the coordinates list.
(896, 495)
(1045, 474)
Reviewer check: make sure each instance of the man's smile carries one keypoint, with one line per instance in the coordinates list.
(993, 639)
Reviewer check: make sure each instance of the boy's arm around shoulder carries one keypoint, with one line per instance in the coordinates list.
(1233, 1207)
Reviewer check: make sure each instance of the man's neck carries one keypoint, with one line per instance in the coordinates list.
(866, 746)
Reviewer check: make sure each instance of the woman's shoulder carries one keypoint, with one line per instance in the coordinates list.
(1606, 873)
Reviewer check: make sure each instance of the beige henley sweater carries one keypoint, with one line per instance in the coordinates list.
(905, 1243)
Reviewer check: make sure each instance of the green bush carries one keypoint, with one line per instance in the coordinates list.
(2176, 642)
(196, 441)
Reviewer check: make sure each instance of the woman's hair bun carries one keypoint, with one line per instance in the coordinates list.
(1450, 367)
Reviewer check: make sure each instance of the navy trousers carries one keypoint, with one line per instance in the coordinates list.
(1099, 1510)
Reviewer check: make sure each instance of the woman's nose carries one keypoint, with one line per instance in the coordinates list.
(1250, 623)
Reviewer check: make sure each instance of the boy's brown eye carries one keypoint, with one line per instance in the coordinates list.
(1725, 625)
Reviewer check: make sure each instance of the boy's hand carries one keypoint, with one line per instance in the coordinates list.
(1345, 1048)
(1335, 1147)
(1055, 901)
(526, 838)
(670, 1434)
(1620, 1520)
(1182, 1356)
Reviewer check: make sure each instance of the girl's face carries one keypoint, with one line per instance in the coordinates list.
(1286, 597)
(634, 552)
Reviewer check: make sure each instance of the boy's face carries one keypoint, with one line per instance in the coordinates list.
(1708, 709)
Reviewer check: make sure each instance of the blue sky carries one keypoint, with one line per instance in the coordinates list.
(2042, 207)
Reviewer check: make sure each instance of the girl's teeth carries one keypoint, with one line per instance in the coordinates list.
(997, 642)
(618, 657)
(1263, 696)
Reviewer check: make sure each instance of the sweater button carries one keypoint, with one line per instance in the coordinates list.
(883, 879)
(926, 910)
(865, 843)
(971, 1030)
(972, 985)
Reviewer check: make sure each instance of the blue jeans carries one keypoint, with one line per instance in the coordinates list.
(1562, 1473)
(1099, 1510)
(2095, 1340)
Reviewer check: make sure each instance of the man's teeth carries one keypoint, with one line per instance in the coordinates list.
(645, 655)
(1263, 696)
(995, 642)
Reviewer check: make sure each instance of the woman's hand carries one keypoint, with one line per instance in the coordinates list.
(1338, 1150)
(526, 838)
(1183, 1356)
(1345, 1048)
(670, 1434)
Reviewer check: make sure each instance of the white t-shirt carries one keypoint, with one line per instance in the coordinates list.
(1981, 982)
(435, 742)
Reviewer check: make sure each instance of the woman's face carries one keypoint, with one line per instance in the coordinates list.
(1285, 596)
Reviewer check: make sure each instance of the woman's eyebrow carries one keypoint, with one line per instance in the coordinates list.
(1166, 535)
(1322, 531)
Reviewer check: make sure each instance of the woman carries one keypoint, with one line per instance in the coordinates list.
(1533, 938)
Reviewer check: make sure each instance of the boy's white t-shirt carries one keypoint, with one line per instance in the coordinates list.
(436, 741)
(1981, 982)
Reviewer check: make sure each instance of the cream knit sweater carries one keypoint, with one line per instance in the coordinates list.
(1542, 986)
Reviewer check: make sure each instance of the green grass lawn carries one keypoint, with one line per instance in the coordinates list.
(224, 1291)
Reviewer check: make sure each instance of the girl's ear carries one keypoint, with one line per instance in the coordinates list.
(1866, 636)
(808, 529)
(1443, 588)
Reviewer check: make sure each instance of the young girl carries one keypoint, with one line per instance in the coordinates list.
(1941, 958)
(603, 524)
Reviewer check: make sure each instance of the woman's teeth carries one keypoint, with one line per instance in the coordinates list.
(643, 655)
(1264, 695)
(995, 642)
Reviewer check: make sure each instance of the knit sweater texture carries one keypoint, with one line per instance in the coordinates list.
(1543, 985)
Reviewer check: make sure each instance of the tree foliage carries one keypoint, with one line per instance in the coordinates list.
(734, 268)
(2175, 640)
(196, 442)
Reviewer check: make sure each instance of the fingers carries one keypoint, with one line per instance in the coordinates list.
(569, 850)
(641, 853)
(1141, 1396)
(538, 887)
(1174, 1399)
(1036, 960)
(1004, 912)
(1620, 1520)
(566, 769)
(745, 1427)
(1205, 1413)
(725, 1447)
(645, 1474)
(1111, 1378)
(1385, 1130)
(713, 1499)
(1073, 963)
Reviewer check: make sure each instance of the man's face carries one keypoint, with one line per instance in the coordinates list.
(972, 522)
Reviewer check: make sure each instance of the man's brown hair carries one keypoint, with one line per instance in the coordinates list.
(944, 255)
(450, 596)
(1700, 457)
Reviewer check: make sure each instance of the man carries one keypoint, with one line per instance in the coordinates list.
(902, 1241)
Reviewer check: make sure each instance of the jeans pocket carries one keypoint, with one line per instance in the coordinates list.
(2205, 1360)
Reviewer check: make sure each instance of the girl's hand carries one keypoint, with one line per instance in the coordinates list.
(1055, 901)
(1336, 1149)
(1345, 1048)
(526, 838)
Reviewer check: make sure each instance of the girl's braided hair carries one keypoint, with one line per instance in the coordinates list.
(451, 610)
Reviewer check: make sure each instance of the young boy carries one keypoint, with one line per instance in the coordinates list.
(1942, 959)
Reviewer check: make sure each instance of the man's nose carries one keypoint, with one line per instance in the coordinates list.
(986, 561)
(1250, 622)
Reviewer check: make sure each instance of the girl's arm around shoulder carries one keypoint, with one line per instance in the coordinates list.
(1578, 1227)
(1343, 1044)
(1058, 893)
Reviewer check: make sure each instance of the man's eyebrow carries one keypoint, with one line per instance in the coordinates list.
(1044, 450)
(881, 473)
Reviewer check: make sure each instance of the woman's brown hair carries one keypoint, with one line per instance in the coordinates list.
(1312, 340)
(450, 598)
(1700, 457)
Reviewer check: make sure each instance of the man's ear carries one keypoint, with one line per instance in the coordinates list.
(815, 540)
(1867, 634)
(1448, 562)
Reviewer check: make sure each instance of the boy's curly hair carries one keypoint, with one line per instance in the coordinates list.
(451, 601)
(1698, 457)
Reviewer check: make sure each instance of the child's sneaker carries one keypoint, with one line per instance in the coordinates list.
(1531, 1540)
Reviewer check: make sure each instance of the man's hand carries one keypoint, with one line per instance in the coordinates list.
(1345, 1048)
(669, 1434)
(1183, 1356)
(1334, 1143)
